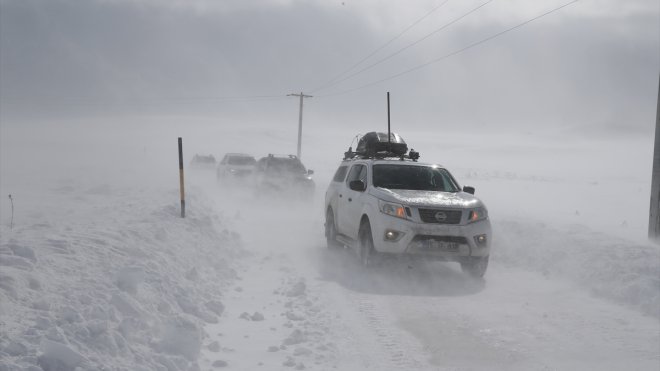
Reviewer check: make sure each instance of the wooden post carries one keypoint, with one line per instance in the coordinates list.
(183, 199)
(11, 226)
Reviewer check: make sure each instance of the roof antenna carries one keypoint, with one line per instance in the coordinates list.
(389, 138)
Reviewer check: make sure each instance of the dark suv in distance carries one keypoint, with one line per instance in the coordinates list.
(235, 166)
(284, 174)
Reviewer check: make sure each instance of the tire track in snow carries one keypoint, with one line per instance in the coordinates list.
(395, 349)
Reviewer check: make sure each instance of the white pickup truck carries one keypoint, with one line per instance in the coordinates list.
(399, 206)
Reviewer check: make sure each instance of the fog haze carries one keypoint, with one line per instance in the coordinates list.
(546, 107)
(591, 66)
(571, 95)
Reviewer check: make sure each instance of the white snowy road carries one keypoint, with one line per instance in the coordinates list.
(322, 311)
(98, 276)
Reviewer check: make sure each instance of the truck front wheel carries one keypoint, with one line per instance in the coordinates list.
(366, 245)
(331, 231)
(475, 266)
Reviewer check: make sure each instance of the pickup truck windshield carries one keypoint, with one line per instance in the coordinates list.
(418, 178)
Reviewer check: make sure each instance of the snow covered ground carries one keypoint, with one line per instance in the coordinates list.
(100, 272)
(110, 278)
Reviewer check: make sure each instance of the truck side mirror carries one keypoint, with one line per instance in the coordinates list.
(357, 185)
(468, 189)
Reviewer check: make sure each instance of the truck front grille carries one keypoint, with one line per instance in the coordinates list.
(440, 216)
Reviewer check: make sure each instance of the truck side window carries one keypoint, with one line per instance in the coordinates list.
(358, 172)
(363, 175)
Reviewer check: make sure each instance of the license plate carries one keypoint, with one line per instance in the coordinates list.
(441, 245)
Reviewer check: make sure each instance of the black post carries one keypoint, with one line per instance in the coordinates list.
(11, 226)
(389, 140)
(183, 200)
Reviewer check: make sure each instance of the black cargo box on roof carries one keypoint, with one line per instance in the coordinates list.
(374, 143)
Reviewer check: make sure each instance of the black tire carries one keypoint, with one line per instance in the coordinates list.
(331, 231)
(366, 245)
(475, 266)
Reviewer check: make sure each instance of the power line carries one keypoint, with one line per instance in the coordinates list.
(446, 25)
(454, 52)
(380, 47)
(192, 98)
(138, 101)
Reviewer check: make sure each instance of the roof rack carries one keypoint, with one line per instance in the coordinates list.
(280, 156)
(351, 155)
(380, 146)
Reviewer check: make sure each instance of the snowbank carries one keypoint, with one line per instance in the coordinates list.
(607, 266)
(107, 278)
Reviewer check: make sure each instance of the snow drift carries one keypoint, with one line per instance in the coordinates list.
(116, 281)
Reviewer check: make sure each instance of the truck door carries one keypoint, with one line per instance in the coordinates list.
(350, 202)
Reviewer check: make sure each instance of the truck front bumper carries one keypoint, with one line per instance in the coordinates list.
(452, 242)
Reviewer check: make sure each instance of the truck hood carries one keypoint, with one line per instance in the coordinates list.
(428, 198)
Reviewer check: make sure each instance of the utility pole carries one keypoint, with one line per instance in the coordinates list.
(654, 214)
(301, 95)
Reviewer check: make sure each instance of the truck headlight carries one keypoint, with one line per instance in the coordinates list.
(395, 210)
(477, 214)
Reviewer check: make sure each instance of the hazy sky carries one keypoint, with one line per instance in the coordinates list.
(592, 66)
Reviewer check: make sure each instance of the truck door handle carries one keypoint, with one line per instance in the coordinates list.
(340, 195)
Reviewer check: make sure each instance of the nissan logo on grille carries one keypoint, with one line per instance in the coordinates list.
(440, 216)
